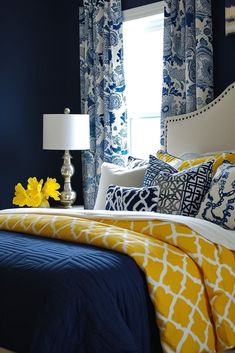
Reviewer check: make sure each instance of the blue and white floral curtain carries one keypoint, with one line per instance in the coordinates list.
(102, 89)
(188, 57)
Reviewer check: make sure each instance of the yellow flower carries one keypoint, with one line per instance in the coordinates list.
(34, 186)
(21, 196)
(35, 199)
(44, 203)
(50, 189)
(36, 195)
(34, 189)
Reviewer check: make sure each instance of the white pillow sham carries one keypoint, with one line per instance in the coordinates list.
(112, 174)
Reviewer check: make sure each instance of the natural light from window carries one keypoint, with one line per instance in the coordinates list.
(143, 53)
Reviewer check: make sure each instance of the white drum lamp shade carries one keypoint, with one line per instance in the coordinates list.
(66, 132)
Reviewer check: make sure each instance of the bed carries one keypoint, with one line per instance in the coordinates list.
(124, 281)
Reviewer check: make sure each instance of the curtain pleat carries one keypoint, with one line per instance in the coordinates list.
(102, 89)
(187, 58)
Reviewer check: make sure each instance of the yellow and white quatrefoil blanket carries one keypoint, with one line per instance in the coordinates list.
(190, 279)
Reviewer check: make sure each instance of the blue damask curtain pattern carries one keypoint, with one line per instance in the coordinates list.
(102, 89)
(188, 57)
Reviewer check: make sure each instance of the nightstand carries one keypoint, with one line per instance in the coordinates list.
(75, 207)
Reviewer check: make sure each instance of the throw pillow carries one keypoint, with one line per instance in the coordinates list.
(218, 205)
(155, 166)
(218, 160)
(114, 174)
(120, 198)
(168, 158)
(134, 162)
(183, 192)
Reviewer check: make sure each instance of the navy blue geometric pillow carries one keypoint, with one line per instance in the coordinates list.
(182, 193)
(119, 198)
(156, 166)
(218, 205)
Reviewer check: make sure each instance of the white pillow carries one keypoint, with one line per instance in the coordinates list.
(112, 174)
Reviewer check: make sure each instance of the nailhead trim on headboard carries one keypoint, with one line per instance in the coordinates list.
(196, 113)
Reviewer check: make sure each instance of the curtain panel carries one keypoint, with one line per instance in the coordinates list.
(102, 89)
(187, 58)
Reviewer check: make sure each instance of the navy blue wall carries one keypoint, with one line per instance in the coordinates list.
(39, 73)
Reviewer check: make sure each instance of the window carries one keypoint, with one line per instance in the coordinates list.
(143, 52)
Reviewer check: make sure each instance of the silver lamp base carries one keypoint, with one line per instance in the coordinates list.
(68, 196)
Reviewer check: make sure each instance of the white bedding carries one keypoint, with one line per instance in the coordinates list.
(208, 230)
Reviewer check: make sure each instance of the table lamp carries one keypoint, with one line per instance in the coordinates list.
(66, 132)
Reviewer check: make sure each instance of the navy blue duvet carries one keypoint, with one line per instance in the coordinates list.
(58, 297)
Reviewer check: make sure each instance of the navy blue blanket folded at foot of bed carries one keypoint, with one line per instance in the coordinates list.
(58, 297)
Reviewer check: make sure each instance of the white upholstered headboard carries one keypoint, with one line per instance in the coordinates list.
(209, 129)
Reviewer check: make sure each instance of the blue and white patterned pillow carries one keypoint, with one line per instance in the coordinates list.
(119, 198)
(134, 162)
(179, 193)
(155, 166)
(218, 205)
(182, 193)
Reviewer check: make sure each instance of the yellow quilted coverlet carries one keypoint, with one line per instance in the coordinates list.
(191, 281)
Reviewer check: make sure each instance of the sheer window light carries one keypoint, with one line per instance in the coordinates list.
(143, 53)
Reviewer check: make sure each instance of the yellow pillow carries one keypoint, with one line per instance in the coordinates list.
(218, 160)
(168, 158)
